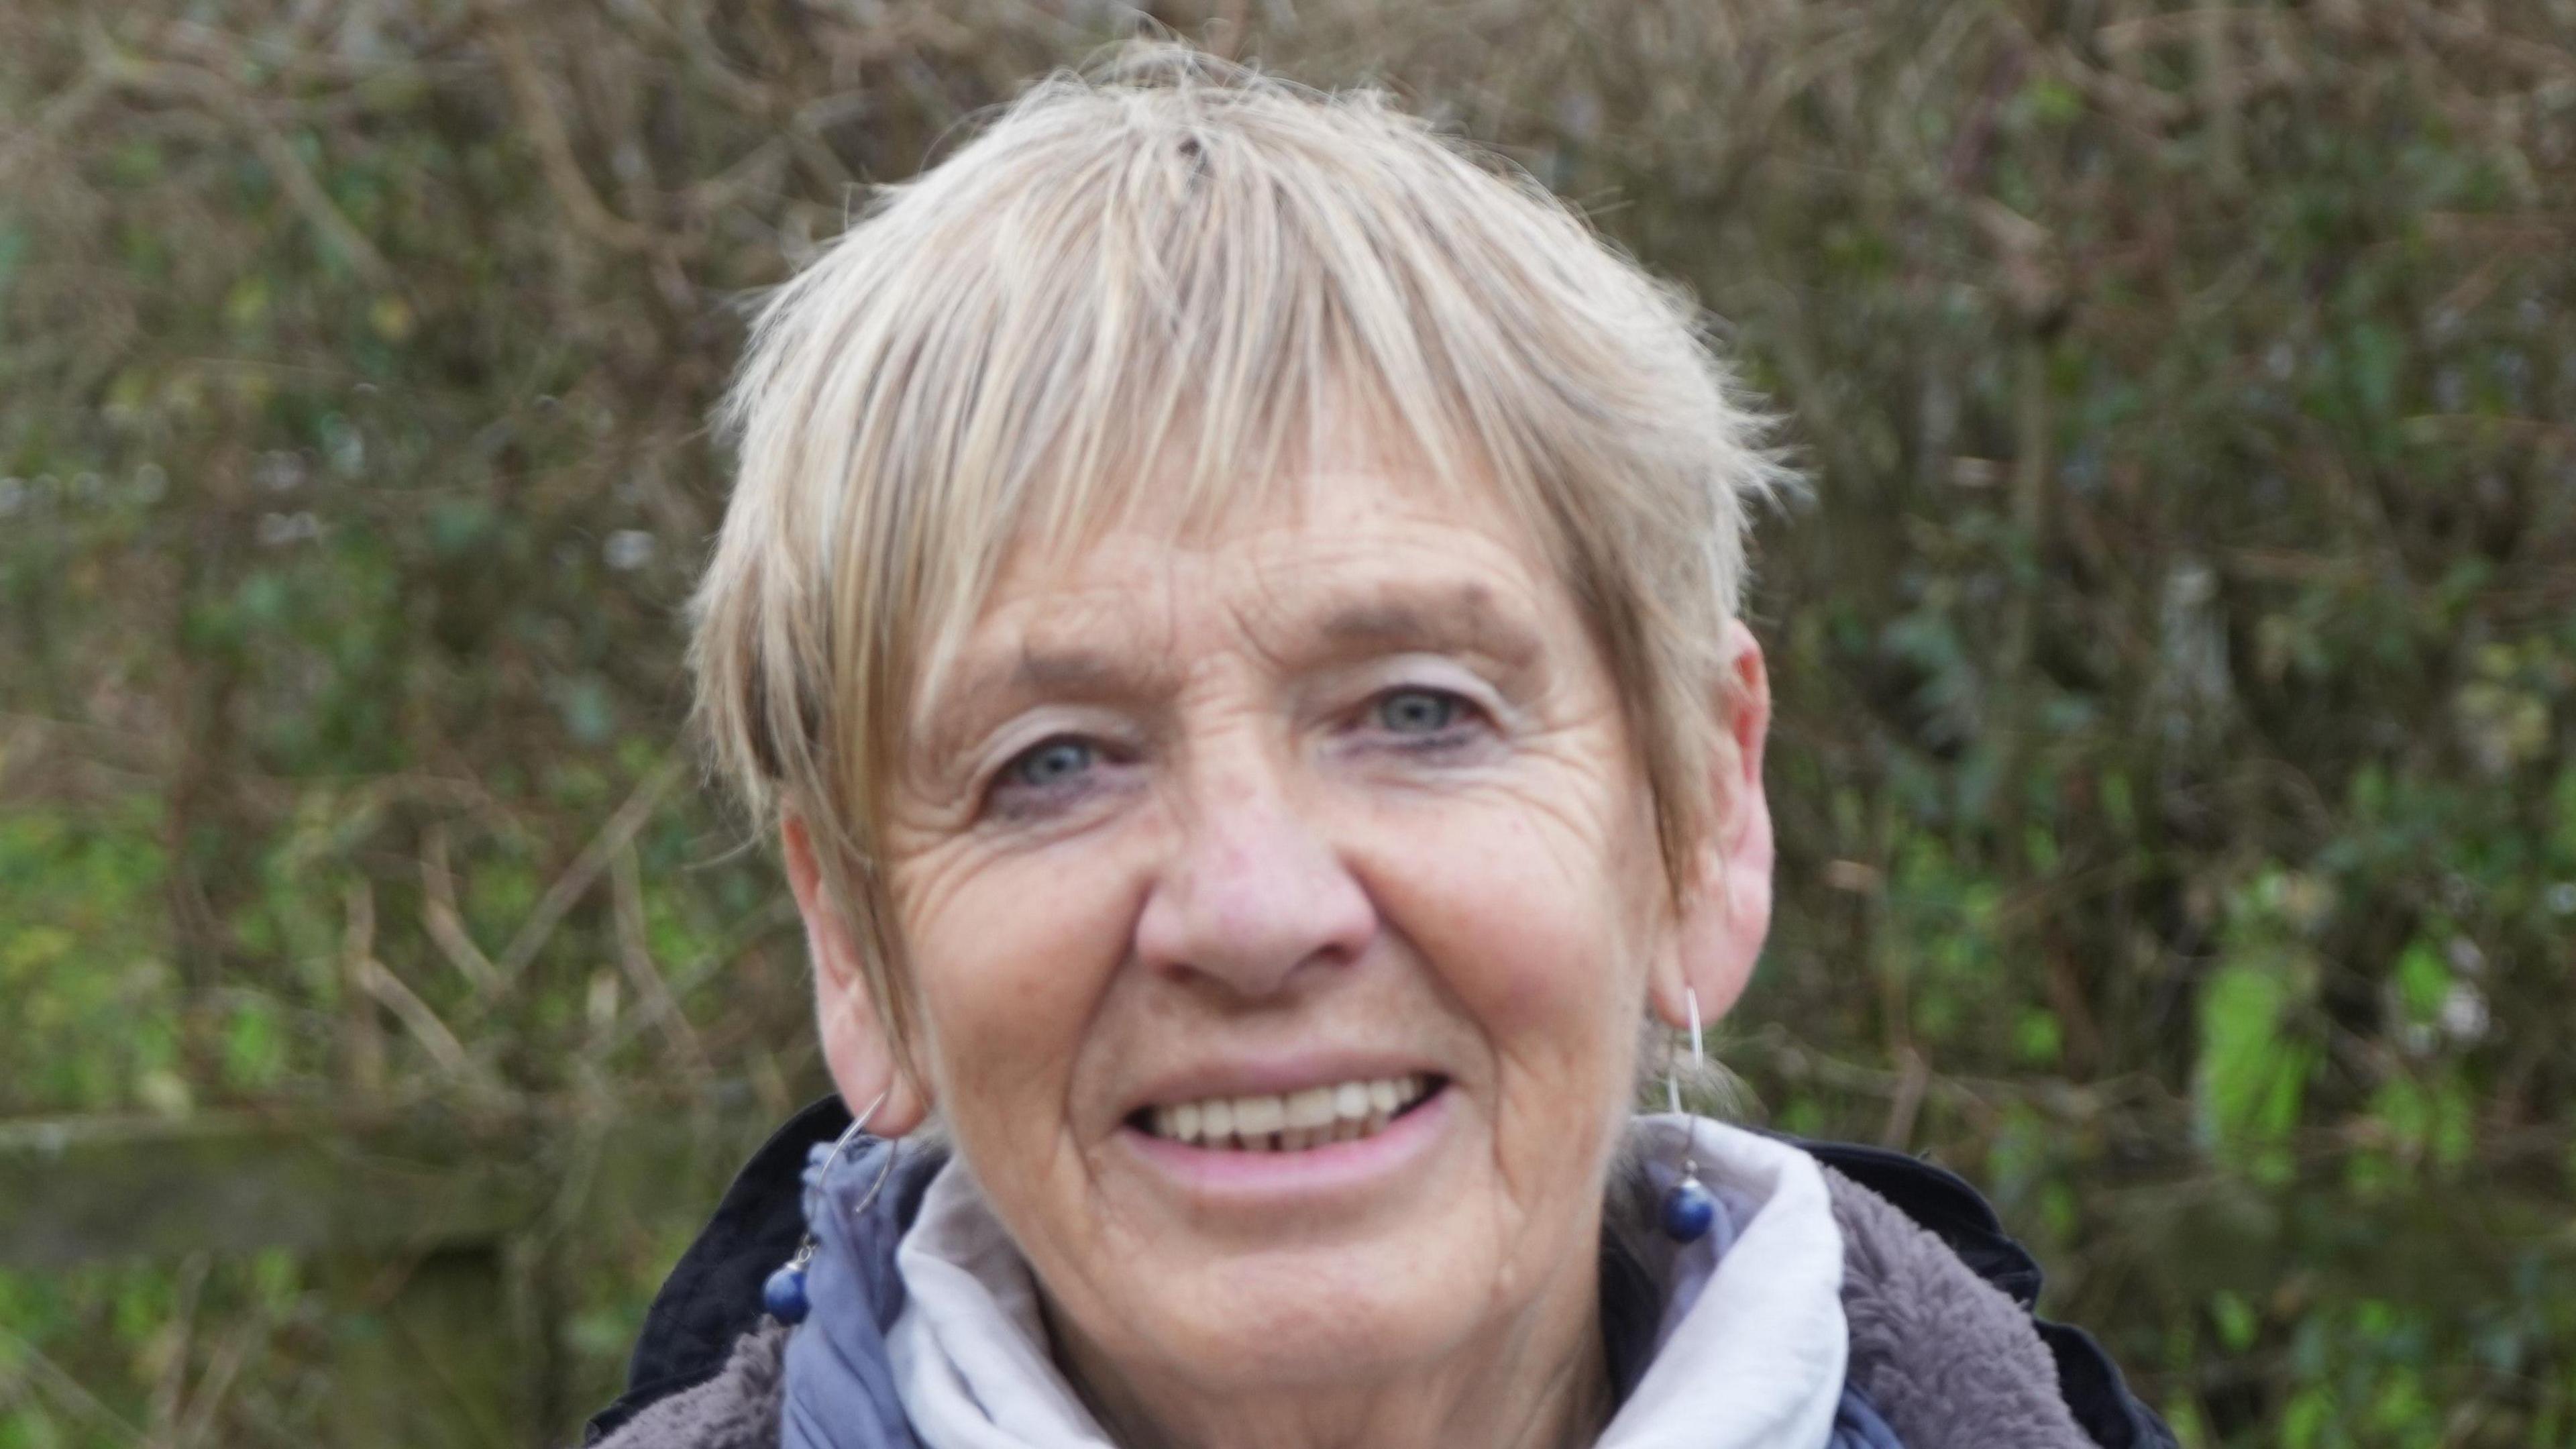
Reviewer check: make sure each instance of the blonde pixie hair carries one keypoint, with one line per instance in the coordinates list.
(1174, 280)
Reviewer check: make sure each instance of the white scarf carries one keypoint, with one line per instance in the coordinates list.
(1751, 1353)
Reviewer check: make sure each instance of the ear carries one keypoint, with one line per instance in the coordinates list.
(855, 1044)
(1726, 901)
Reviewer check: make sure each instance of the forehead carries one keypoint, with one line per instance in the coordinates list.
(1350, 547)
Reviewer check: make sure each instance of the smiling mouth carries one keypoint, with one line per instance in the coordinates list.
(1292, 1121)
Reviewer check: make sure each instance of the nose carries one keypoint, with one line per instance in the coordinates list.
(1252, 894)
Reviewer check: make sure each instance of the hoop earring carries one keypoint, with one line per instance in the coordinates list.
(1689, 1210)
(783, 1294)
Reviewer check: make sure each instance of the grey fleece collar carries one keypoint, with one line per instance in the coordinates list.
(1948, 1360)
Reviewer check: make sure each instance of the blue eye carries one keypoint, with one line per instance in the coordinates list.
(1417, 711)
(1050, 763)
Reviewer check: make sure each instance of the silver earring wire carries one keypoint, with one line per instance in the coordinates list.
(1699, 1055)
(1689, 1209)
(858, 1127)
(1673, 1084)
(783, 1291)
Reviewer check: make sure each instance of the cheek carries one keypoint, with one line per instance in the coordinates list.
(1011, 955)
(1520, 913)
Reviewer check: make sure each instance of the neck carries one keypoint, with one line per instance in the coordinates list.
(1541, 1382)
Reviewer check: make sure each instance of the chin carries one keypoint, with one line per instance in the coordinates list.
(1323, 1315)
(1300, 1338)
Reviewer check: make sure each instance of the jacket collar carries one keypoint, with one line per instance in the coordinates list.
(698, 1323)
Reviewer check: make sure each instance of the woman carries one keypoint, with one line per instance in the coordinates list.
(1230, 603)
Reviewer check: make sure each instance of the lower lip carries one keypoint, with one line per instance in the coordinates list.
(1235, 1177)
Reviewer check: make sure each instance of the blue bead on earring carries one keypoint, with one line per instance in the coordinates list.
(1689, 1209)
(783, 1292)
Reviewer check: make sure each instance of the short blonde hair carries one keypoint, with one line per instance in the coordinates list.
(1165, 275)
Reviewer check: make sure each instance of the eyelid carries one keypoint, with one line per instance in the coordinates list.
(1017, 738)
(1480, 709)
(1440, 674)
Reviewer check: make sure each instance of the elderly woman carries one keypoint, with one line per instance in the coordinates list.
(1230, 605)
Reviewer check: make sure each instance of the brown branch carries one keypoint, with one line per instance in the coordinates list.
(222, 1367)
(583, 873)
(1914, 1076)
(2220, 93)
(634, 953)
(302, 187)
(2540, 61)
(444, 922)
(182, 1327)
(415, 1015)
(2144, 32)
(546, 130)
(2134, 103)
(69, 1390)
(60, 113)
(364, 1040)
(379, 984)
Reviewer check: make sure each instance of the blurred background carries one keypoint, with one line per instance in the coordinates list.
(2176, 656)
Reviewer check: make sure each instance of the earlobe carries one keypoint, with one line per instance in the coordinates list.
(1726, 913)
(856, 1047)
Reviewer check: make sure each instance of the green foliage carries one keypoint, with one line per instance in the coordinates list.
(94, 1006)
(2175, 663)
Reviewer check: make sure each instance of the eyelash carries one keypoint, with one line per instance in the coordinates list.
(1466, 715)
(1005, 788)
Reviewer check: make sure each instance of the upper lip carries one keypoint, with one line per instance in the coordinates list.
(1260, 1076)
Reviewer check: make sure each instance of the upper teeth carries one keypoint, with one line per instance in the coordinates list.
(1342, 1112)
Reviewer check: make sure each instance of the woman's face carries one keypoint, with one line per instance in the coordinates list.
(1282, 907)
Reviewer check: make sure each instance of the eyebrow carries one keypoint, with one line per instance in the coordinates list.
(981, 686)
(1459, 617)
